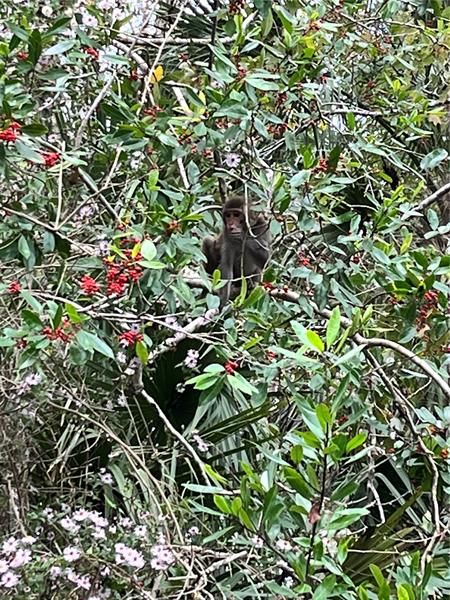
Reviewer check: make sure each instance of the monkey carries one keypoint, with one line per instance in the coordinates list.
(241, 249)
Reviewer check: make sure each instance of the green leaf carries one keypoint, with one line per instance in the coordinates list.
(315, 340)
(31, 300)
(433, 159)
(324, 416)
(90, 341)
(349, 355)
(344, 490)
(261, 84)
(152, 179)
(142, 352)
(307, 337)
(34, 46)
(245, 520)
(298, 483)
(34, 129)
(333, 326)
(300, 178)
(239, 383)
(222, 504)
(202, 382)
(73, 314)
(24, 247)
(342, 518)
(60, 48)
(356, 441)
(148, 250)
(28, 153)
(152, 264)
(402, 593)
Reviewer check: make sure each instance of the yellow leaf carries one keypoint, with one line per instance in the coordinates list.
(157, 75)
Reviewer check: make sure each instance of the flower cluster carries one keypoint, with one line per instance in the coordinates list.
(94, 555)
(11, 133)
(130, 337)
(191, 360)
(162, 557)
(14, 554)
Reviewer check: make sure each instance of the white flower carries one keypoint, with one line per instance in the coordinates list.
(129, 556)
(69, 525)
(55, 572)
(191, 360)
(28, 540)
(99, 533)
(49, 513)
(83, 581)
(193, 531)
(162, 557)
(121, 358)
(283, 545)
(106, 478)
(140, 531)
(257, 541)
(71, 553)
(9, 580)
(201, 444)
(10, 545)
(47, 11)
(232, 160)
(33, 379)
(89, 20)
(97, 519)
(106, 4)
(80, 515)
(4, 566)
(289, 582)
(22, 556)
(122, 400)
(126, 522)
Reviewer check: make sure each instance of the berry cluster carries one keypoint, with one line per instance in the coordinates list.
(235, 6)
(22, 55)
(11, 133)
(126, 270)
(231, 366)
(277, 130)
(303, 260)
(50, 158)
(14, 287)
(92, 52)
(59, 333)
(89, 285)
(281, 99)
(152, 111)
(430, 300)
(129, 338)
(242, 72)
(322, 166)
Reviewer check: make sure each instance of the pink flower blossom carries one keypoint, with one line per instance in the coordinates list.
(9, 580)
(4, 566)
(10, 545)
(22, 557)
(71, 553)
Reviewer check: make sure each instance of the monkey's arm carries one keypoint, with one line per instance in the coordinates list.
(211, 249)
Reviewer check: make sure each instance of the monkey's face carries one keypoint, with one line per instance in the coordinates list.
(234, 222)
